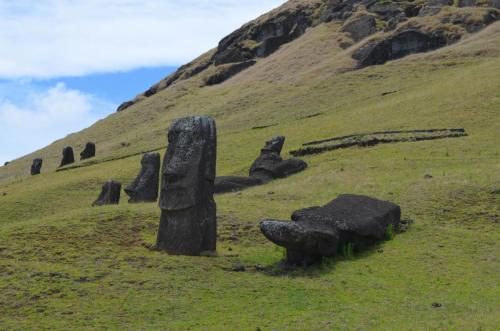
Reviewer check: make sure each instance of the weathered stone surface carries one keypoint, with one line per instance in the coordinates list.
(145, 186)
(36, 167)
(110, 194)
(270, 165)
(360, 27)
(188, 223)
(320, 231)
(228, 71)
(88, 152)
(234, 183)
(68, 156)
(397, 46)
(6, 164)
(466, 3)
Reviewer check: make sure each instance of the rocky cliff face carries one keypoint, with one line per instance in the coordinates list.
(379, 31)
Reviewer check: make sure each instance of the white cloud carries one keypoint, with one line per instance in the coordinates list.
(44, 116)
(52, 38)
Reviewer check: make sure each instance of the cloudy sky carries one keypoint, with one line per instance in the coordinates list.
(66, 63)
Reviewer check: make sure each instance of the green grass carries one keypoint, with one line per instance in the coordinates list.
(66, 265)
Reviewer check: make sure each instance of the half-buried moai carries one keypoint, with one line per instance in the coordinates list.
(110, 194)
(270, 165)
(68, 156)
(145, 186)
(188, 223)
(36, 167)
(88, 152)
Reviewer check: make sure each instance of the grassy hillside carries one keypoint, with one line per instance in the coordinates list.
(66, 265)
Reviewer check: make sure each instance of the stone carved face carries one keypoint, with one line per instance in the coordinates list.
(189, 166)
(275, 145)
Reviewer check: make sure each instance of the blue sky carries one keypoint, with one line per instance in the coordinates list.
(66, 63)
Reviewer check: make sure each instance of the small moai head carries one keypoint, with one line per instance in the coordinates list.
(275, 145)
(188, 171)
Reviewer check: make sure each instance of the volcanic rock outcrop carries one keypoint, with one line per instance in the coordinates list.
(68, 156)
(36, 167)
(188, 224)
(110, 194)
(145, 186)
(88, 152)
(268, 166)
(320, 231)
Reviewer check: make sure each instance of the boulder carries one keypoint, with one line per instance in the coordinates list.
(360, 27)
(321, 231)
(110, 194)
(36, 167)
(145, 186)
(234, 183)
(188, 224)
(88, 152)
(270, 165)
(68, 156)
(227, 71)
(397, 46)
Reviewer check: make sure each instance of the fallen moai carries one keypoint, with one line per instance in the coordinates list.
(145, 186)
(188, 224)
(88, 152)
(68, 156)
(110, 194)
(36, 167)
(319, 232)
(267, 167)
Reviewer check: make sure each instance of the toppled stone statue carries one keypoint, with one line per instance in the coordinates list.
(188, 224)
(321, 231)
(88, 152)
(36, 167)
(68, 156)
(268, 166)
(110, 194)
(145, 186)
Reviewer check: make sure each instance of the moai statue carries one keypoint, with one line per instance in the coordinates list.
(145, 186)
(68, 156)
(36, 167)
(110, 194)
(88, 152)
(188, 224)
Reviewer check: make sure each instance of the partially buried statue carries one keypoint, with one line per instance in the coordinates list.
(88, 152)
(36, 167)
(68, 156)
(268, 166)
(188, 223)
(110, 194)
(145, 186)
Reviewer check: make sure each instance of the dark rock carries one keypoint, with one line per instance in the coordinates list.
(439, 3)
(145, 186)
(429, 11)
(4, 194)
(188, 224)
(68, 156)
(228, 71)
(36, 167)
(6, 164)
(397, 46)
(238, 267)
(385, 9)
(427, 176)
(110, 194)
(320, 231)
(124, 106)
(466, 3)
(270, 165)
(234, 184)
(88, 152)
(494, 4)
(436, 305)
(495, 191)
(360, 27)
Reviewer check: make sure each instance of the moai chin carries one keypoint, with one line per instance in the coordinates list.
(188, 223)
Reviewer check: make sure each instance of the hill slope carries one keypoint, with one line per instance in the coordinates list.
(89, 267)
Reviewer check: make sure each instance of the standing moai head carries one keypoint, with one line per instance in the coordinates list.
(145, 186)
(110, 194)
(68, 156)
(188, 221)
(88, 152)
(36, 167)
